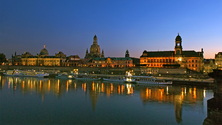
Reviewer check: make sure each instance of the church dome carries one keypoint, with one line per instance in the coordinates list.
(44, 52)
(178, 38)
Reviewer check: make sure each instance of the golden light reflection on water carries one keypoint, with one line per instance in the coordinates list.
(67, 86)
(161, 94)
(111, 87)
(102, 88)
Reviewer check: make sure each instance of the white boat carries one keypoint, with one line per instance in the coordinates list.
(42, 74)
(28, 73)
(129, 78)
(15, 72)
(65, 76)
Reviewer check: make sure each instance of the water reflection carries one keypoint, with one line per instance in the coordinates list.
(176, 95)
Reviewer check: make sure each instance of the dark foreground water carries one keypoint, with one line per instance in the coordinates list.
(51, 101)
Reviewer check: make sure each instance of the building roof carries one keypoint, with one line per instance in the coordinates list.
(217, 55)
(158, 54)
(60, 52)
(113, 58)
(191, 53)
(41, 57)
(76, 56)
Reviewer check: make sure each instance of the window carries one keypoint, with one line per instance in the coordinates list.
(178, 52)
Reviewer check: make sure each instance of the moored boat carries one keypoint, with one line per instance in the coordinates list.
(129, 78)
(115, 79)
(150, 80)
(86, 77)
(65, 76)
(28, 73)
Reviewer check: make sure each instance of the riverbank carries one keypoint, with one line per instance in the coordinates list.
(177, 79)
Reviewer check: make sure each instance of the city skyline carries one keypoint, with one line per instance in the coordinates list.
(119, 25)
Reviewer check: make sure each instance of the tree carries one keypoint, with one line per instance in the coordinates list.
(2, 58)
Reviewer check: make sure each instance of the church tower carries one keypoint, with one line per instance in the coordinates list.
(102, 54)
(178, 47)
(127, 53)
(94, 50)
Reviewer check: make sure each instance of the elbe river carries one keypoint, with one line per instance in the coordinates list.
(27, 100)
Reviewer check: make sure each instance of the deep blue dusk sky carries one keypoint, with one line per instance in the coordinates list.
(136, 25)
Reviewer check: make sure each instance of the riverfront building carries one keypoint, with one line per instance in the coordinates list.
(41, 59)
(173, 59)
(115, 62)
(94, 50)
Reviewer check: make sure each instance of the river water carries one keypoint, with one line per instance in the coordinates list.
(26, 100)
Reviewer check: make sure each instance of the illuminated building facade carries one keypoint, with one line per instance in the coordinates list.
(41, 59)
(173, 59)
(73, 60)
(218, 60)
(115, 62)
(94, 50)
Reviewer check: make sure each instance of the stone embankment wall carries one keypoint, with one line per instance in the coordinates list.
(175, 73)
(92, 70)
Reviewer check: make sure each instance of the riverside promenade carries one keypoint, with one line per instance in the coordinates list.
(177, 79)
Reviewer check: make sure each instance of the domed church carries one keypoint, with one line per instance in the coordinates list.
(94, 50)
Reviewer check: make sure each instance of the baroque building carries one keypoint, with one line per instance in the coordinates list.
(173, 59)
(115, 62)
(41, 59)
(94, 50)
